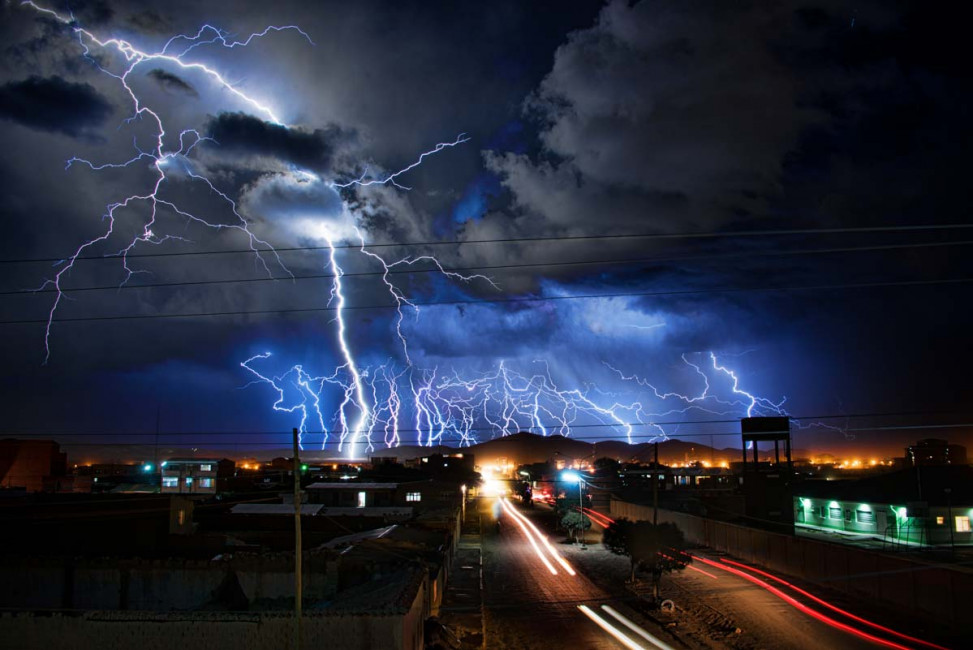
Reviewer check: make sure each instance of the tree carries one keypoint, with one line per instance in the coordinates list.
(657, 548)
(575, 522)
(606, 466)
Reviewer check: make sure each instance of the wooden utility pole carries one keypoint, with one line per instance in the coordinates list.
(655, 486)
(298, 591)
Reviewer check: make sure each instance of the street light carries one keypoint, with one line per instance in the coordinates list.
(570, 476)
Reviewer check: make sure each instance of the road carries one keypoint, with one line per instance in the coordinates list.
(526, 606)
(720, 603)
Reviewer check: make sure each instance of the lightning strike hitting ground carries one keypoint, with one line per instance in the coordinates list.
(355, 402)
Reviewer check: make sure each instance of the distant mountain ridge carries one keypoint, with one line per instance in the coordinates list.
(517, 448)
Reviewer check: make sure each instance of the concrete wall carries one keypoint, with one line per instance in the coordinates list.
(50, 583)
(213, 631)
(189, 630)
(938, 593)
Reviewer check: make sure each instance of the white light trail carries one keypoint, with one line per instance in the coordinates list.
(543, 538)
(530, 538)
(638, 630)
(611, 629)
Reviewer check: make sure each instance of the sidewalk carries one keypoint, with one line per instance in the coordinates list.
(462, 609)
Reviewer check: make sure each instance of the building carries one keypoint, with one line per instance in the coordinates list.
(28, 464)
(419, 495)
(932, 451)
(194, 475)
(913, 506)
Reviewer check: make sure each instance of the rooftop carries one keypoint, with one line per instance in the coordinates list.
(351, 485)
(900, 487)
(274, 509)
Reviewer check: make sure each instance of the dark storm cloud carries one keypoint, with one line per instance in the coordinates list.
(172, 83)
(239, 133)
(660, 99)
(92, 12)
(55, 105)
(150, 21)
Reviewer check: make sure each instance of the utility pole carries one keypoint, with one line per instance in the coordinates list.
(655, 486)
(155, 456)
(949, 517)
(581, 511)
(298, 591)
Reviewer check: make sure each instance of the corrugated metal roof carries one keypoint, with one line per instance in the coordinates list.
(375, 533)
(351, 485)
(274, 509)
(366, 512)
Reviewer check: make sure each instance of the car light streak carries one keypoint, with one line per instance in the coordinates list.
(638, 630)
(591, 518)
(801, 606)
(602, 520)
(530, 538)
(689, 566)
(547, 544)
(611, 629)
(833, 607)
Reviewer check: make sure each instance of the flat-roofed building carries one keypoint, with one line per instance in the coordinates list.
(194, 475)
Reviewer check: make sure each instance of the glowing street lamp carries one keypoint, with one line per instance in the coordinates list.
(570, 476)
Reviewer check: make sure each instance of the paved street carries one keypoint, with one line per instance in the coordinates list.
(526, 606)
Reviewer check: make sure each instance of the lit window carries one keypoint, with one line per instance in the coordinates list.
(962, 524)
(865, 516)
(834, 513)
(940, 521)
(168, 481)
(413, 496)
(361, 499)
(189, 480)
(206, 468)
(205, 482)
(182, 517)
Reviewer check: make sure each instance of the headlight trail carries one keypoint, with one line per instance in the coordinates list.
(834, 608)
(530, 538)
(611, 629)
(546, 542)
(801, 606)
(638, 630)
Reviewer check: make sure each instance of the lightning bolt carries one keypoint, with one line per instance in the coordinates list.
(355, 401)
(159, 159)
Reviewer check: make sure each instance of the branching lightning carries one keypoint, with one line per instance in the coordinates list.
(356, 403)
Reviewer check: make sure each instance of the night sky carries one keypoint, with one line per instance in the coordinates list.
(577, 126)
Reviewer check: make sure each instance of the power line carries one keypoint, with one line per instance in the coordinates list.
(287, 432)
(454, 269)
(618, 437)
(523, 299)
(517, 240)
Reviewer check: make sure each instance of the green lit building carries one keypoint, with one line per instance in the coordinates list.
(919, 505)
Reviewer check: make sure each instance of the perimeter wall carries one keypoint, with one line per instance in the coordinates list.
(939, 593)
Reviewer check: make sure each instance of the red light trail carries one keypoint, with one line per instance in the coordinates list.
(801, 606)
(834, 607)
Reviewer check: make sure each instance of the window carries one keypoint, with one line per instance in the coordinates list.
(940, 521)
(413, 496)
(206, 468)
(361, 499)
(170, 481)
(962, 524)
(834, 513)
(865, 516)
(182, 517)
(189, 480)
(205, 482)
